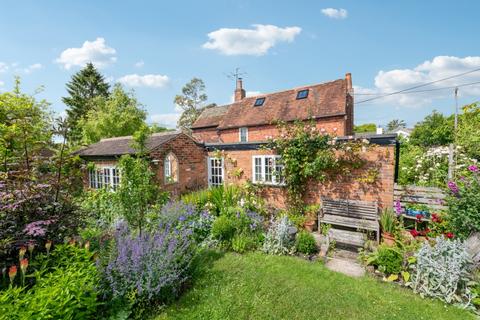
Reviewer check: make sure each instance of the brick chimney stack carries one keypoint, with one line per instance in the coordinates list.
(239, 91)
(348, 79)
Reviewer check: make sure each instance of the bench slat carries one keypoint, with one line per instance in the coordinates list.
(349, 222)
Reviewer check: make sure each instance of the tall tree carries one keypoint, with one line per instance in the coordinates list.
(434, 130)
(192, 101)
(86, 85)
(468, 134)
(396, 124)
(118, 115)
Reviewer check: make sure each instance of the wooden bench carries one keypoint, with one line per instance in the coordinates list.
(350, 213)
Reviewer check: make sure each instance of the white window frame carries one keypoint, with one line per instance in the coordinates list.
(240, 134)
(276, 180)
(219, 167)
(101, 177)
(168, 169)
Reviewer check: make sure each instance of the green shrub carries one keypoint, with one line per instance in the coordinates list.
(389, 260)
(242, 243)
(66, 291)
(305, 243)
(464, 204)
(223, 228)
(198, 199)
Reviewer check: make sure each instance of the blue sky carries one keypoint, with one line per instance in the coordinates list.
(156, 47)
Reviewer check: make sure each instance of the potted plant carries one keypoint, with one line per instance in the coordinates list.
(388, 222)
(311, 216)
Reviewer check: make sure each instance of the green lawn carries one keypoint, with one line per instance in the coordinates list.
(258, 286)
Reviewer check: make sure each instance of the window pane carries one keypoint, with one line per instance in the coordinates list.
(258, 169)
(279, 176)
(106, 174)
(269, 165)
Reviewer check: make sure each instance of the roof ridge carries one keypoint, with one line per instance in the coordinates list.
(156, 134)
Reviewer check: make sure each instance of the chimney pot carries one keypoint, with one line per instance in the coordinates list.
(348, 79)
(239, 91)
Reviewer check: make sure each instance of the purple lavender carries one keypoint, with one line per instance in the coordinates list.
(154, 264)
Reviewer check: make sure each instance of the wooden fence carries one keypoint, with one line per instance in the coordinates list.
(430, 196)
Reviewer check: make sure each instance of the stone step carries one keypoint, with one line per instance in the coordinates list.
(346, 237)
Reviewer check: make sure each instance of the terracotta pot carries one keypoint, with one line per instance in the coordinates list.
(309, 225)
(388, 239)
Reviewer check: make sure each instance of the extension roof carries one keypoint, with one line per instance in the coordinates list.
(113, 147)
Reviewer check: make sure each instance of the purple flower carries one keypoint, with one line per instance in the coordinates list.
(453, 187)
(398, 207)
(473, 168)
(181, 218)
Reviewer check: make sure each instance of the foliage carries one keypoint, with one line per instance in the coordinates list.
(389, 260)
(430, 167)
(254, 286)
(237, 224)
(396, 124)
(116, 115)
(138, 191)
(152, 266)
(198, 199)
(464, 204)
(25, 128)
(192, 102)
(185, 216)
(442, 270)
(101, 207)
(279, 239)
(434, 130)
(305, 243)
(367, 127)
(388, 221)
(409, 154)
(85, 85)
(65, 288)
(468, 134)
(308, 153)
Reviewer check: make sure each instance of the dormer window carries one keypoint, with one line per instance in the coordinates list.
(302, 94)
(259, 102)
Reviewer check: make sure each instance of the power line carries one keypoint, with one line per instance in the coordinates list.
(426, 90)
(419, 86)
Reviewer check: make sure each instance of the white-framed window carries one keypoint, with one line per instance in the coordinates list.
(170, 168)
(243, 134)
(267, 169)
(104, 177)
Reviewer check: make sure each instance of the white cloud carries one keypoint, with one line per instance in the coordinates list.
(2, 83)
(148, 80)
(335, 13)
(96, 52)
(3, 67)
(256, 41)
(168, 120)
(431, 70)
(32, 67)
(139, 64)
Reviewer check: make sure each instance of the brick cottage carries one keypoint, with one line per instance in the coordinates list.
(226, 146)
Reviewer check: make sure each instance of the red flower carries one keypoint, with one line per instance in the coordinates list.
(12, 272)
(419, 217)
(449, 235)
(436, 218)
(414, 233)
(24, 265)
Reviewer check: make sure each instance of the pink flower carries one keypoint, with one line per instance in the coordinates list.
(453, 187)
(473, 168)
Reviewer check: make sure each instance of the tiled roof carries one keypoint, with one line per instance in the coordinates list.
(211, 117)
(324, 100)
(122, 145)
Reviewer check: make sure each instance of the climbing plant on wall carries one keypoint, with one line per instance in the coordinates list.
(309, 153)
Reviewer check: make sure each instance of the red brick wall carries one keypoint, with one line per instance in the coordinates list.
(192, 165)
(380, 157)
(335, 125)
